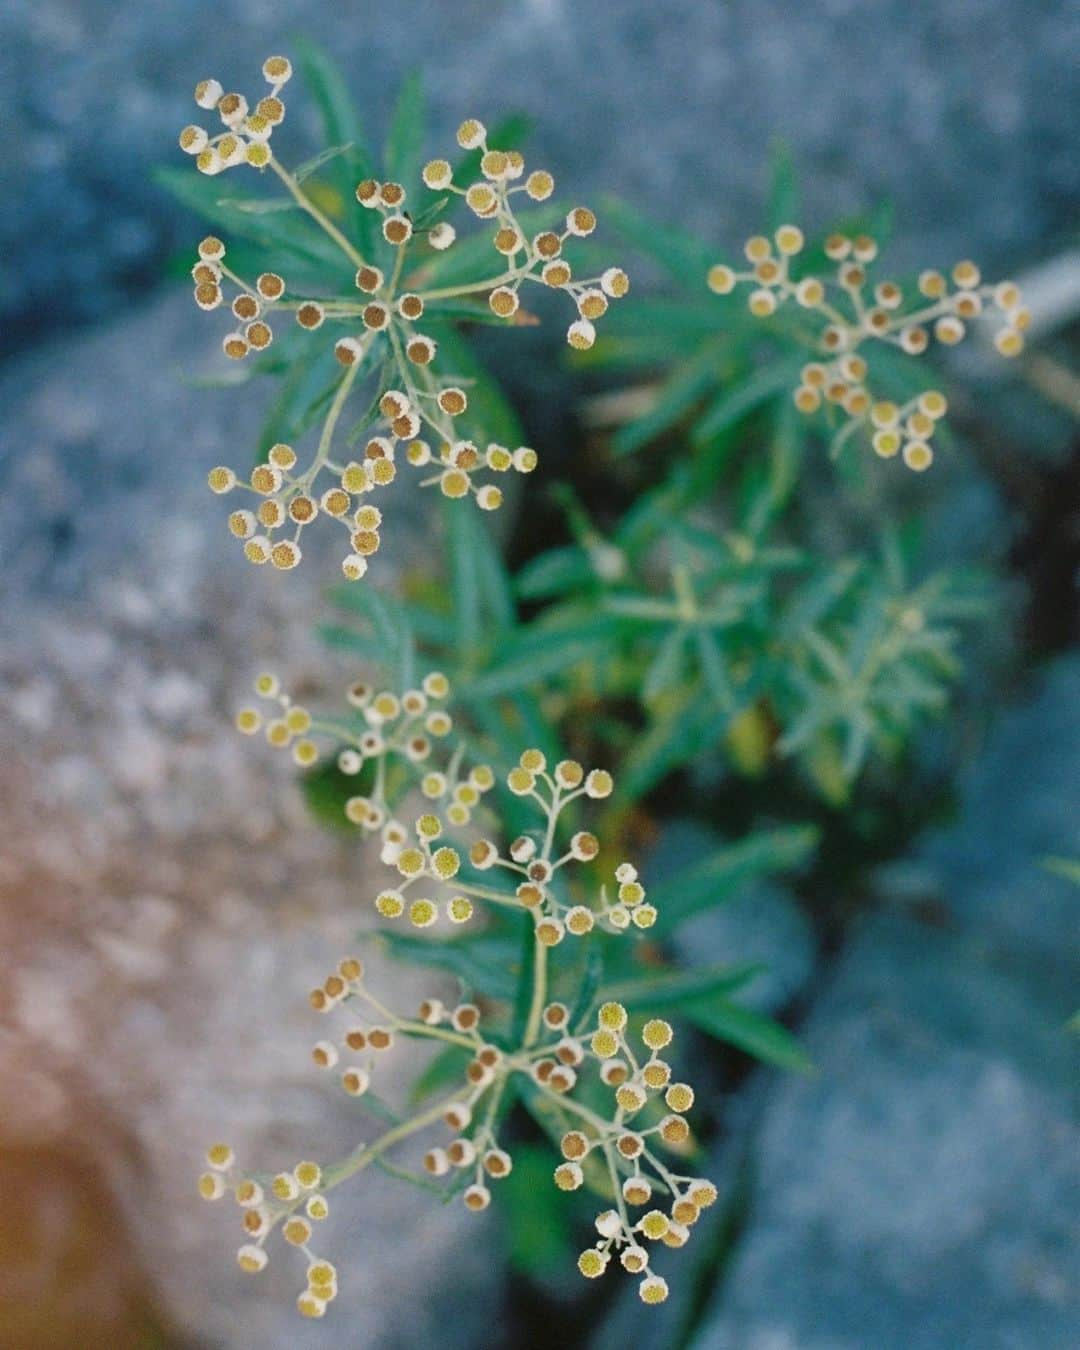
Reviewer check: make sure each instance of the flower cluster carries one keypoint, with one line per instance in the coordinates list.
(415, 411)
(647, 1113)
(624, 1144)
(849, 316)
(247, 130)
(392, 737)
(535, 860)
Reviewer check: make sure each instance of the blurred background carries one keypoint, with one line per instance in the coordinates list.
(166, 898)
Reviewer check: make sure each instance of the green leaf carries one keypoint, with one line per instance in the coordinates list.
(672, 989)
(441, 1071)
(783, 206)
(304, 394)
(341, 126)
(757, 1035)
(665, 670)
(486, 963)
(316, 162)
(523, 1001)
(731, 406)
(557, 572)
(724, 873)
(277, 232)
(685, 257)
(685, 387)
(672, 739)
(464, 577)
(1069, 868)
(539, 1237)
(541, 652)
(258, 206)
(405, 141)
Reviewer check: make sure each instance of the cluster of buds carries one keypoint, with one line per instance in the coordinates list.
(654, 1204)
(535, 860)
(849, 316)
(414, 411)
(539, 258)
(647, 1110)
(246, 137)
(391, 736)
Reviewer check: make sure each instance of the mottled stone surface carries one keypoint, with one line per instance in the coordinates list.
(960, 114)
(167, 899)
(920, 1191)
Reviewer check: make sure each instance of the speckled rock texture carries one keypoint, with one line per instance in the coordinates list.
(959, 114)
(167, 900)
(918, 1192)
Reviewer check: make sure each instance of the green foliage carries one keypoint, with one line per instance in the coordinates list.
(729, 611)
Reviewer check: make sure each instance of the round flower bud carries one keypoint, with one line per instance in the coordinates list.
(441, 236)
(653, 1289)
(504, 302)
(310, 1304)
(550, 931)
(436, 1163)
(579, 920)
(599, 784)
(569, 1176)
(615, 283)
(637, 1190)
(497, 1162)
(437, 173)
(423, 913)
(465, 1017)
(721, 279)
(540, 185)
(654, 1224)
(634, 1259)
(581, 334)
(471, 134)
(211, 1185)
(592, 1263)
(208, 93)
(604, 1043)
(918, 456)
(476, 1197)
(580, 221)
(657, 1033)
(703, 1193)
(355, 1081)
(251, 1259)
(762, 303)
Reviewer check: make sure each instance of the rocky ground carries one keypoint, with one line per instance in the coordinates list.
(919, 1190)
(167, 900)
(959, 115)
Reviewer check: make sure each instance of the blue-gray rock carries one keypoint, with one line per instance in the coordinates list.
(920, 1191)
(962, 115)
(168, 900)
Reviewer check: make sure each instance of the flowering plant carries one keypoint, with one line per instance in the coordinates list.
(643, 641)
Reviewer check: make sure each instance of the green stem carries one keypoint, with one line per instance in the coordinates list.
(331, 422)
(532, 1026)
(306, 204)
(367, 1153)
